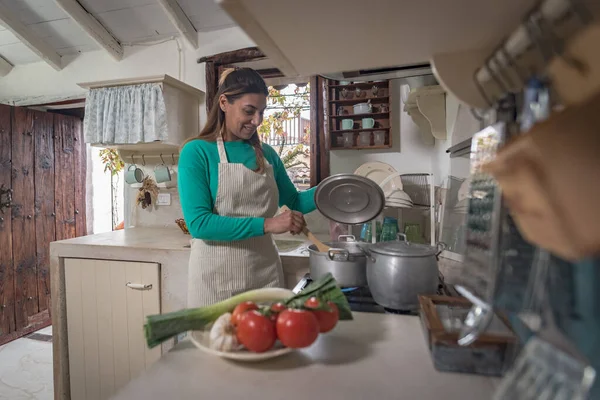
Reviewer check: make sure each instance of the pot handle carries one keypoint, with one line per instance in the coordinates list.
(368, 254)
(441, 246)
(332, 252)
(346, 238)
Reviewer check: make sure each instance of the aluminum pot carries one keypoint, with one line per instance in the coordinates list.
(399, 271)
(345, 259)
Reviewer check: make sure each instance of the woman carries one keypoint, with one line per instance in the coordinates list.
(231, 186)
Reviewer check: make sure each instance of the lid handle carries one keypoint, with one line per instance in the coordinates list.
(441, 246)
(401, 237)
(346, 238)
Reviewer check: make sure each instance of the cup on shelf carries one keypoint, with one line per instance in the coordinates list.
(379, 138)
(348, 139)
(364, 138)
(384, 108)
(341, 111)
(347, 124)
(345, 82)
(368, 123)
(339, 141)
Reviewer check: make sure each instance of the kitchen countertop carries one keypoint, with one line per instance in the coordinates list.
(149, 240)
(376, 356)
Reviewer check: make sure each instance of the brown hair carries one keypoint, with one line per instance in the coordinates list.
(234, 83)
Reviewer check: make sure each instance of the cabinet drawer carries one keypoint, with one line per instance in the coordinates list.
(107, 302)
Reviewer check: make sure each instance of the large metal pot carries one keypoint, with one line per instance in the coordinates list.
(345, 259)
(399, 271)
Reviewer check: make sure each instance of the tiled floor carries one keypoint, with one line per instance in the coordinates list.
(26, 368)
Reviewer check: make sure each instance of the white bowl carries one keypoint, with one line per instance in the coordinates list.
(361, 108)
(398, 195)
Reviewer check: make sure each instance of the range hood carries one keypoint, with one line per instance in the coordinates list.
(414, 75)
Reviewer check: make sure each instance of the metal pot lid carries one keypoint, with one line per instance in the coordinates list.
(403, 248)
(349, 199)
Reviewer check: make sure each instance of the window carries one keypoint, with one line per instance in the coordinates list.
(286, 127)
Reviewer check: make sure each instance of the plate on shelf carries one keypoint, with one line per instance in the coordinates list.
(201, 340)
(377, 172)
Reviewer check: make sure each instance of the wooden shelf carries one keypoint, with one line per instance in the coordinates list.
(379, 99)
(360, 130)
(371, 115)
(382, 147)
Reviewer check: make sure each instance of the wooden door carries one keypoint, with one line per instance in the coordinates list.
(105, 323)
(42, 161)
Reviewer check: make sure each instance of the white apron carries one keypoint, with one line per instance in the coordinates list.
(219, 270)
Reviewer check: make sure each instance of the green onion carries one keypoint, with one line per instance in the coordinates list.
(161, 327)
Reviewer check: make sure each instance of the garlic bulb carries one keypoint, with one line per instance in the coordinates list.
(222, 334)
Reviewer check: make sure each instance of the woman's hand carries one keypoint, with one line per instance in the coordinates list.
(287, 221)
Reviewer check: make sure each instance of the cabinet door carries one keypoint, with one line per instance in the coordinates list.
(105, 318)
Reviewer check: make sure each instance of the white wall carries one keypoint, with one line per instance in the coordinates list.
(39, 79)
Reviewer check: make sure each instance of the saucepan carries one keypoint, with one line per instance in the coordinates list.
(398, 271)
(345, 260)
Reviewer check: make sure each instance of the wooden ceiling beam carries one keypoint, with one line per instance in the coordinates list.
(181, 21)
(29, 38)
(92, 27)
(5, 67)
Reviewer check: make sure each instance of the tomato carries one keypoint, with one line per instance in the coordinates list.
(297, 328)
(311, 303)
(278, 307)
(327, 319)
(256, 332)
(240, 309)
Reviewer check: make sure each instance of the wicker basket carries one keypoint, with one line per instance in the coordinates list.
(181, 224)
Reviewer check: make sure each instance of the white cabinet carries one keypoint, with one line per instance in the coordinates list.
(107, 302)
(349, 35)
(145, 128)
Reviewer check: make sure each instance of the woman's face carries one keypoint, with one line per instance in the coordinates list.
(244, 115)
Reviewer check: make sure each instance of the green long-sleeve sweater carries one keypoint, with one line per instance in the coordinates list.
(198, 183)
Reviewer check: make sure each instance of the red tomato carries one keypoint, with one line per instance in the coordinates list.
(256, 332)
(327, 319)
(278, 307)
(297, 328)
(311, 303)
(240, 309)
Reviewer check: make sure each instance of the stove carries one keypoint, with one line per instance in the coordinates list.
(361, 300)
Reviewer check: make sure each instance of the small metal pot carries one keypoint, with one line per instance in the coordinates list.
(399, 271)
(345, 260)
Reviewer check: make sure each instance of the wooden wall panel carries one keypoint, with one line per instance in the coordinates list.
(45, 230)
(23, 210)
(80, 168)
(64, 176)
(7, 283)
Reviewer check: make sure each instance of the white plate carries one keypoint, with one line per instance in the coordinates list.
(377, 172)
(201, 340)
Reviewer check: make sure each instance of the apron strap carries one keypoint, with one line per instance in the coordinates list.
(222, 153)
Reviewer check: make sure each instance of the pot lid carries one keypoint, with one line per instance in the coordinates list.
(349, 199)
(405, 249)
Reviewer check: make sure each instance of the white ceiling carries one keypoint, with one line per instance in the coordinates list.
(129, 21)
